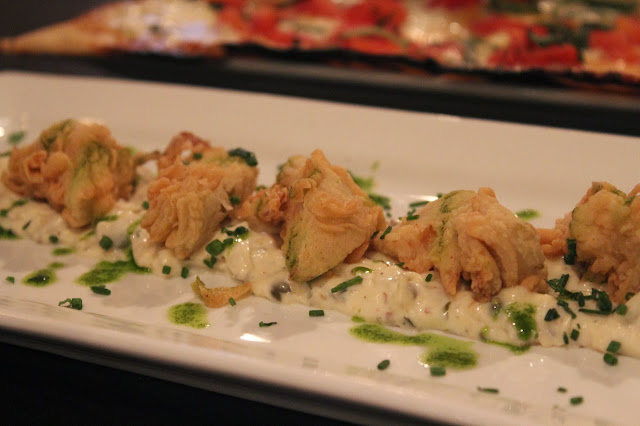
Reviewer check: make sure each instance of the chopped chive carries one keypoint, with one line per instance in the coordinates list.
(565, 338)
(418, 204)
(575, 334)
(248, 156)
(26, 225)
(610, 359)
(316, 313)
(232, 301)
(210, 262)
(437, 371)
(16, 137)
(109, 218)
(235, 200)
(400, 265)
(215, 247)
(63, 251)
(239, 232)
(53, 239)
(346, 284)
(386, 231)
(488, 390)
(551, 315)
(8, 234)
(562, 390)
(105, 242)
(428, 277)
(11, 279)
(185, 272)
(73, 303)
(384, 364)
(629, 296)
(267, 324)
(412, 217)
(145, 205)
(613, 347)
(197, 156)
(357, 318)
(621, 309)
(576, 400)
(166, 269)
(381, 200)
(361, 270)
(100, 289)
(564, 305)
(570, 257)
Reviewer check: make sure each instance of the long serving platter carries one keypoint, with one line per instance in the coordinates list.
(306, 363)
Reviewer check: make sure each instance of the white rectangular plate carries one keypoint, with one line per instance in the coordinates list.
(416, 154)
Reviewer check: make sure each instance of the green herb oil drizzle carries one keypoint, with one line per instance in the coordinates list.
(442, 351)
(189, 314)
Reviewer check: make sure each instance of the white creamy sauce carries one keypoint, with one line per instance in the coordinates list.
(386, 294)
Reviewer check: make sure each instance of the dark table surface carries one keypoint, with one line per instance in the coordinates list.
(45, 387)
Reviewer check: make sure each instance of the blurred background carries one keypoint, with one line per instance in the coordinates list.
(533, 99)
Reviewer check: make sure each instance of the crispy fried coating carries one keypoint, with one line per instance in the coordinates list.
(327, 219)
(291, 170)
(193, 193)
(77, 167)
(218, 297)
(606, 227)
(265, 209)
(471, 236)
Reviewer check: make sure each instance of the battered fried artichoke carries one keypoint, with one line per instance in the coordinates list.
(77, 167)
(329, 219)
(471, 236)
(196, 188)
(605, 227)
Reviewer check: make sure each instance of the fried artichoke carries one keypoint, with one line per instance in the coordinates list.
(471, 236)
(77, 167)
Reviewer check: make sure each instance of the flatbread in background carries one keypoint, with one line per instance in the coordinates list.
(173, 27)
(584, 40)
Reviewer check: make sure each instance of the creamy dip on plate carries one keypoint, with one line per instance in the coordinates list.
(375, 289)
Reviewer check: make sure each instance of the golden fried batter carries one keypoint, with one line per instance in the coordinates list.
(606, 228)
(265, 209)
(218, 297)
(77, 167)
(196, 188)
(469, 235)
(328, 218)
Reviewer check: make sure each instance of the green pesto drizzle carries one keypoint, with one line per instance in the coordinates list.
(528, 214)
(516, 349)
(521, 316)
(105, 272)
(442, 351)
(42, 277)
(189, 314)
